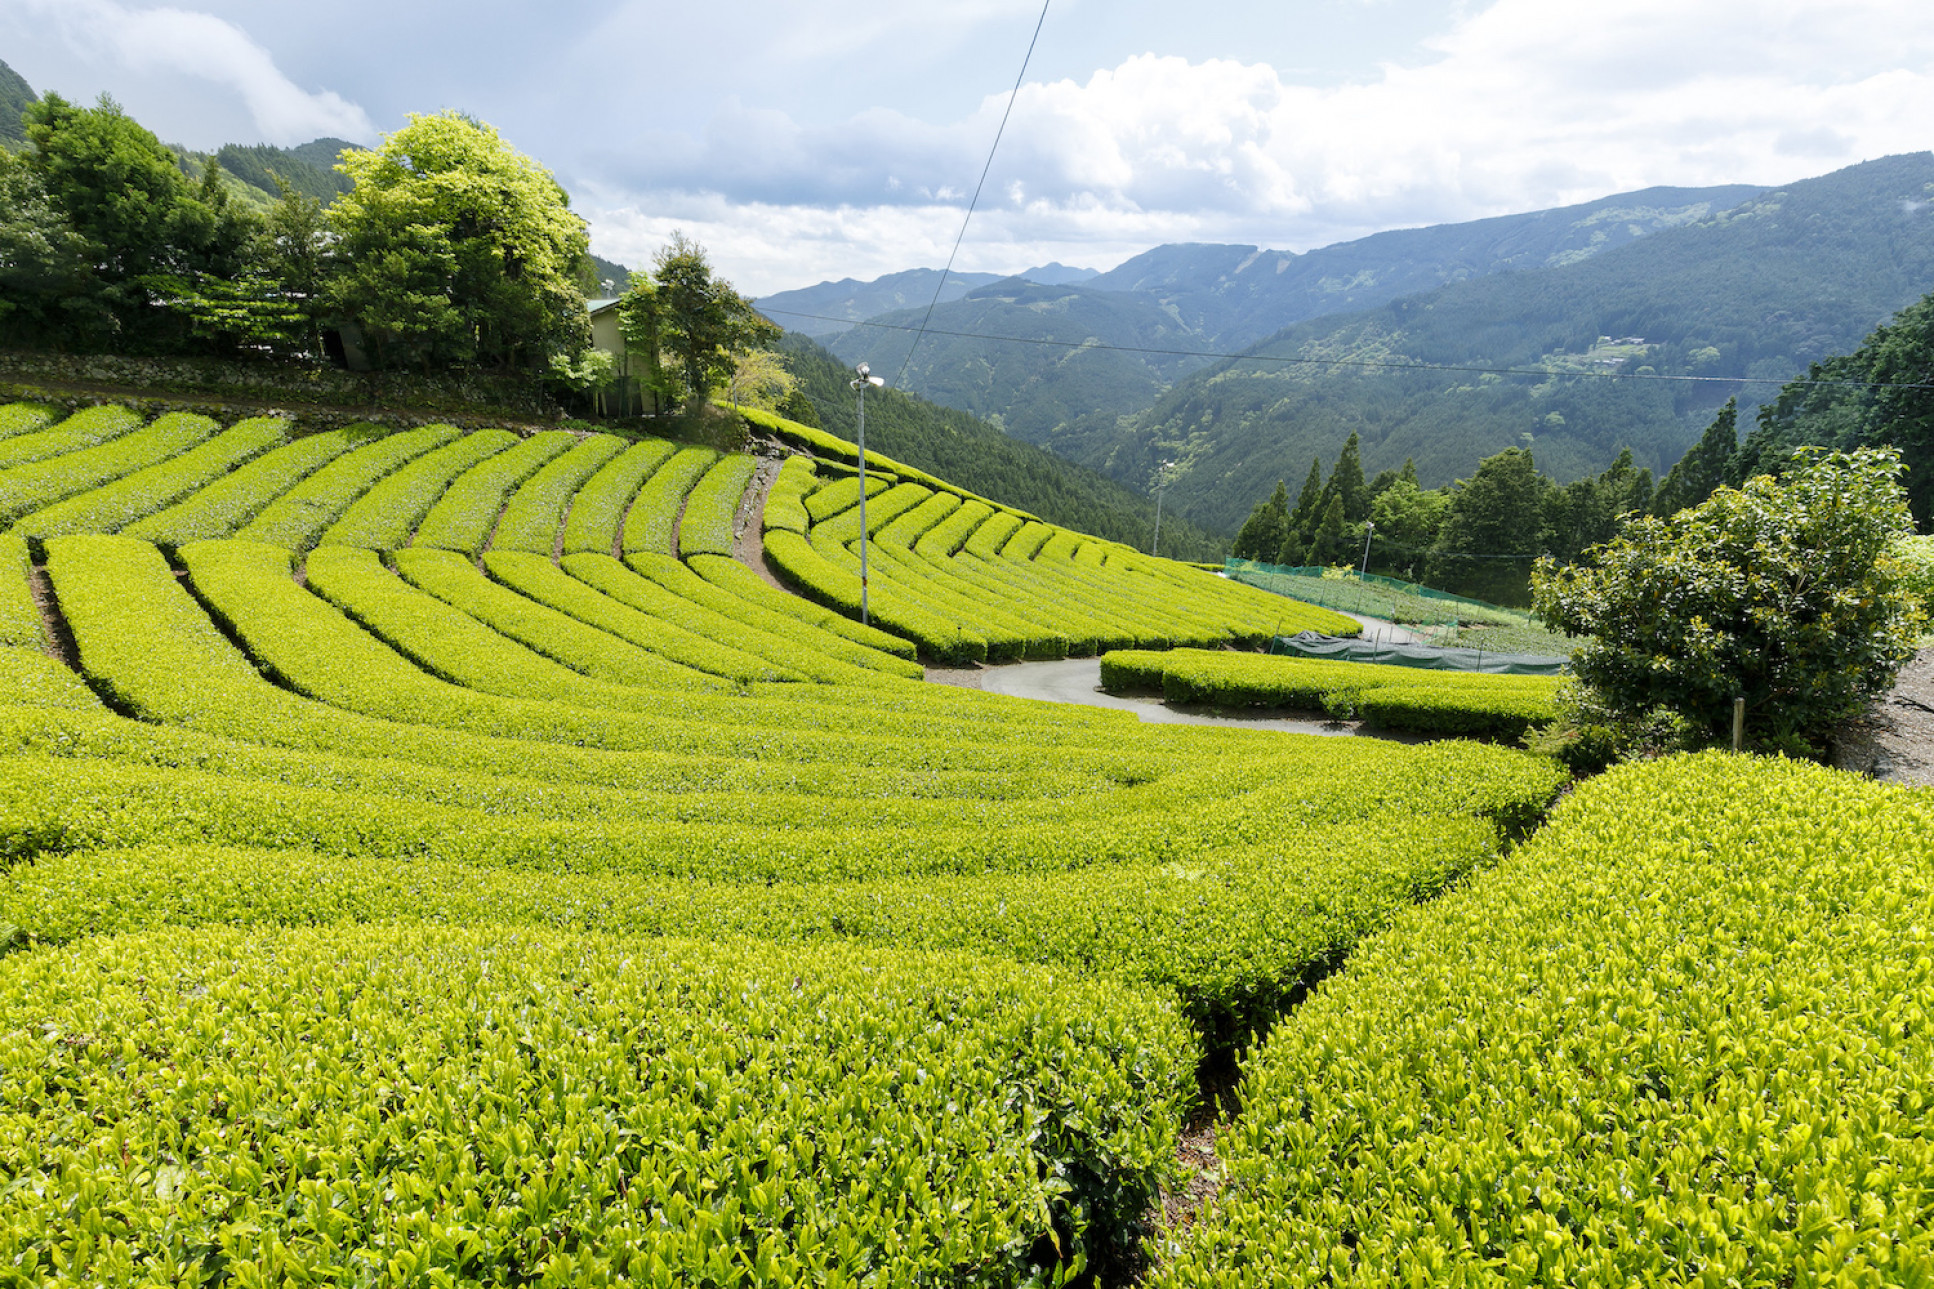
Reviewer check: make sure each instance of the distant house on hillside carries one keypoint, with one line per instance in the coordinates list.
(622, 397)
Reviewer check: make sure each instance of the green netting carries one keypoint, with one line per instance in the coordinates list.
(1373, 595)
(1310, 644)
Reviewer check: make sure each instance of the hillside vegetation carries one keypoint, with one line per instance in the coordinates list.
(968, 451)
(1785, 279)
(433, 856)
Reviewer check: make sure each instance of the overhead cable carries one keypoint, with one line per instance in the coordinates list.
(941, 285)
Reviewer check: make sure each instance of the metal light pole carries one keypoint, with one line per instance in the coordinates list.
(864, 378)
(1368, 528)
(1161, 482)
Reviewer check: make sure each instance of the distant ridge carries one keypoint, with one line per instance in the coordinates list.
(829, 308)
(15, 97)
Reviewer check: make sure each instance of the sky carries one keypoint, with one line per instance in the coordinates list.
(807, 140)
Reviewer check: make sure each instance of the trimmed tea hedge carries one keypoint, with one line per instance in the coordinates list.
(1404, 698)
(465, 516)
(385, 517)
(1680, 1038)
(534, 519)
(508, 1106)
(597, 513)
(222, 507)
(298, 517)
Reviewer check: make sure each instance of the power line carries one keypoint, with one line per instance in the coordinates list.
(925, 330)
(941, 285)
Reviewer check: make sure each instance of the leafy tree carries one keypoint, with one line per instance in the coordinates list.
(1702, 469)
(1491, 531)
(458, 249)
(1407, 518)
(115, 198)
(1779, 593)
(295, 250)
(640, 324)
(1261, 535)
(760, 379)
(699, 320)
(47, 271)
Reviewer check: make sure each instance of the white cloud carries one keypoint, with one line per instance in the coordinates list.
(1521, 105)
(200, 45)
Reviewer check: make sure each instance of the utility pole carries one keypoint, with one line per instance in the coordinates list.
(1161, 482)
(863, 378)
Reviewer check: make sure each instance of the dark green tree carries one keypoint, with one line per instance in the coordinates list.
(1779, 593)
(1346, 481)
(1899, 413)
(117, 197)
(1703, 468)
(1301, 525)
(1491, 531)
(1333, 543)
(702, 324)
(1261, 535)
(48, 284)
(1588, 511)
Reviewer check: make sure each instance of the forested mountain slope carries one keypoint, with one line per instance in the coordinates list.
(1759, 291)
(1196, 297)
(977, 456)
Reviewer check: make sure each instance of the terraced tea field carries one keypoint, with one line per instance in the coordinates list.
(434, 857)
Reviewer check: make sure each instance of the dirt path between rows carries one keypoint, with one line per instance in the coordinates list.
(749, 547)
(1894, 741)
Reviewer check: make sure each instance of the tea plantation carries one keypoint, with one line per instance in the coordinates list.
(435, 857)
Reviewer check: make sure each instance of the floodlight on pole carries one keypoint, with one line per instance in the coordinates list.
(863, 377)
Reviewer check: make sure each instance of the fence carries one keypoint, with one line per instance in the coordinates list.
(1373, 596)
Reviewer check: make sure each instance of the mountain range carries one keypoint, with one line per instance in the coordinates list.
(832, 307)
(1184, 354)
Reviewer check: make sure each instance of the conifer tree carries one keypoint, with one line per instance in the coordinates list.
(1331, 544)
(1703, 469)
(1309, 508)
(1346, 481)
(1262, 533)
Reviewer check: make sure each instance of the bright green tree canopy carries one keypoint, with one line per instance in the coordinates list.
(457, 248)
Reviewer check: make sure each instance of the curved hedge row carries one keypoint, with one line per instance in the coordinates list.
(26, 488)
(299, 516)
(133, 497)
(222, 507)
(598, 511)
(386, 516)
(510, 1106)
(652, 522)
(534, 520)
(711, 510)
(1680, 1038)
(466, 514)
(1402, 698)
(84, 429)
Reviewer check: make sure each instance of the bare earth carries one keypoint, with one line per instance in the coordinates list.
(1894, 742)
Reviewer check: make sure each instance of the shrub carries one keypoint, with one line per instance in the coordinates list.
(1778, 593)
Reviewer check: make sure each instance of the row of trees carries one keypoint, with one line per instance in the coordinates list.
(449, 249)
(1476, 537)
